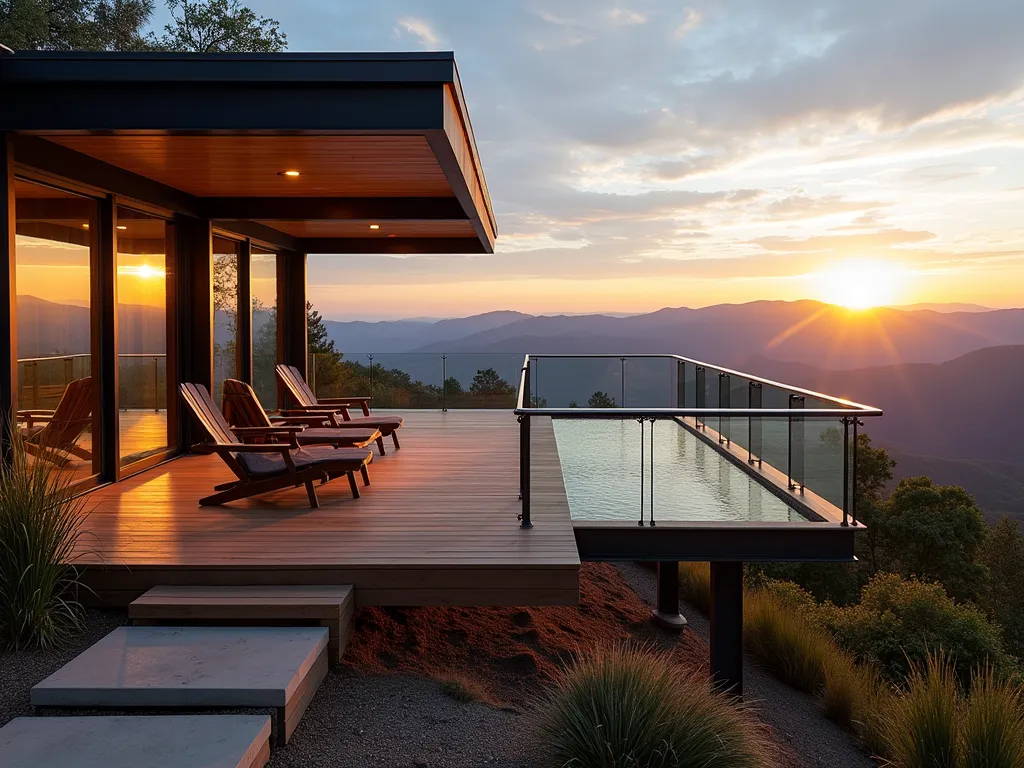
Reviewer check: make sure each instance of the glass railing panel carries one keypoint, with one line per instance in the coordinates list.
(577, 382)
(481, 380)
(823, 458)
(649, 382)
(774, 439)
(142, 382)
(393, 380)
(689, 386)
(606, 478)
(42, 380)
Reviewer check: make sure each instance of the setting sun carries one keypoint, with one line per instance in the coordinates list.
(860, 284)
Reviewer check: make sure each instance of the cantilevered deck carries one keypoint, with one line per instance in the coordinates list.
(438, 525)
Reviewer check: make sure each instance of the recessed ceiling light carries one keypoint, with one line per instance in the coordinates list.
(375, 226)
(290, 174)
(121, 226)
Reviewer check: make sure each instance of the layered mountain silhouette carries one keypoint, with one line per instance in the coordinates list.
(947, 380)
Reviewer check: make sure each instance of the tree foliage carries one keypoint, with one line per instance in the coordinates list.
(601, 400)
(220, 26)
(198, 26)
(488, 382)
(1002, 554)
(934, 532)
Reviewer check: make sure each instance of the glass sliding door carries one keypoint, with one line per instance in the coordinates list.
(264, 325)
(143, 426)
(225, 312)
(58, 414)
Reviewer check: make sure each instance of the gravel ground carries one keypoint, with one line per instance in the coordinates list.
(20, 671)
(401, 721)
(796, 717)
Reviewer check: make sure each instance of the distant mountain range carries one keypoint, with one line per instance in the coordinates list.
(728, 334)
(959, 421)
(949, 381)
(47, 328)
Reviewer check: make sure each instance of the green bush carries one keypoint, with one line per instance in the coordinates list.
(40, 520)
(632, 708)
(901, 621)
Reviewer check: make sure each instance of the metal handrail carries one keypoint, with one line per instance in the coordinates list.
(848, 413)
(847, 404)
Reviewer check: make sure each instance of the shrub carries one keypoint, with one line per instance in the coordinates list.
(695, 585)
(992, 733)
(632, 708)
(901, 621)
(785, 641)
(921, 728)
(40, 520)
(464, 688)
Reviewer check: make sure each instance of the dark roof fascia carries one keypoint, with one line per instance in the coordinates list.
(350, 68)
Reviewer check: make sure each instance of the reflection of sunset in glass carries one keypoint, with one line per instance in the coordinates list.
(860, 284)
(143, 271)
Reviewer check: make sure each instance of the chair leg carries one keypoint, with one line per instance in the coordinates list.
(365, 474)
(380, 445)
(352, 484)
(394, 438)
(314, 502)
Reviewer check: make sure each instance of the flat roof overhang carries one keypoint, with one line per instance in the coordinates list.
(381, 139)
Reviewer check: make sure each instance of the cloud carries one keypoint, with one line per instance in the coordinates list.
(886, 238)
(419, 29)
(614, 131)
(690, 23)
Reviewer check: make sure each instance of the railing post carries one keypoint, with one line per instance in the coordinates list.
(156, 384)
(754, 426)
(372, 393)
(796, 445)
(622, 382)
(700, 396)
(724, 397)
(444, 382)
(680, 384)
(524, 452)
(846, 471)
(853, 470)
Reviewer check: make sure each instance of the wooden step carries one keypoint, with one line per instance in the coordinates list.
(159, 668)
(184, 741)
(328, 606)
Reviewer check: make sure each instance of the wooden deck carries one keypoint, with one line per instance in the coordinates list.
(437, 526)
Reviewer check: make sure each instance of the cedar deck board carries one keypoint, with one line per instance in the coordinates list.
(436, 526)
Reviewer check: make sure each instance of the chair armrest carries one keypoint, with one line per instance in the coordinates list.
(304, 419)
(362, 402)
(265, 430)
(241, 448)
(36, 412)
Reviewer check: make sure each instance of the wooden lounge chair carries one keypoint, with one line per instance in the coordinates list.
(268, 466)
(242, 408)
(307, 403)
(53, 435)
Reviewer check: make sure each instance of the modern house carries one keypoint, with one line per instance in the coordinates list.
(159, 210)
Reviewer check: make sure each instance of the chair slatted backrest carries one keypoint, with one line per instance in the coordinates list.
(296, 385)
(208, 414)
(242, 407)
(71, 418)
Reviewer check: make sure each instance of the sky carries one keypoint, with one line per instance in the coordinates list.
(651, 153)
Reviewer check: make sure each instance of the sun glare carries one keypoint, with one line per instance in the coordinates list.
(860, 284)
(142, 271)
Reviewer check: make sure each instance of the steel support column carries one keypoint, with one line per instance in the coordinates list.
(667, 614)
(8, 364)
(727, 625)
